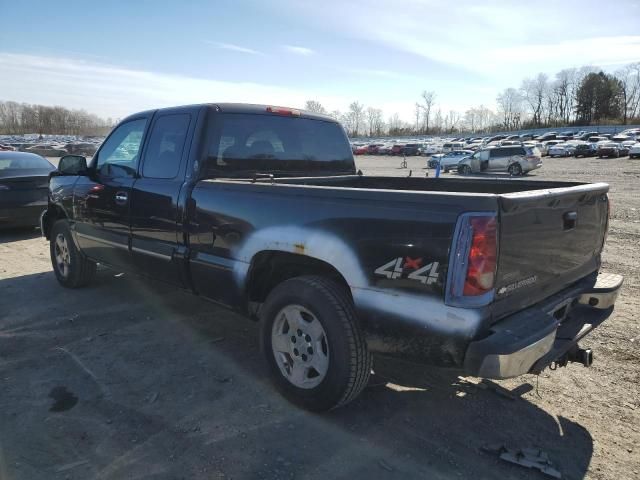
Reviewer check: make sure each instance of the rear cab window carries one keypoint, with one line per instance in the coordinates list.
(262, 143)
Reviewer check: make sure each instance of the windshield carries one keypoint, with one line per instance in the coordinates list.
(12, 164)
(277, 144)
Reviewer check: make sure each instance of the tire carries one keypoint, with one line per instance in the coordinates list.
(71, 267)
(337, 363)
(464, 170)
(515, 170)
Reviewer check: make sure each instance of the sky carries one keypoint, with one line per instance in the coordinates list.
(117, 57)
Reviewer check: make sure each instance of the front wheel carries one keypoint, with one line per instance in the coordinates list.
(464, 170)
(71, 267)
(515, 170)
(316, 353)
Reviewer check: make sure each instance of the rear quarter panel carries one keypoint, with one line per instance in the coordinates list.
(391, 247)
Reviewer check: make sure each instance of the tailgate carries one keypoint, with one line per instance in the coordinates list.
(549, 239)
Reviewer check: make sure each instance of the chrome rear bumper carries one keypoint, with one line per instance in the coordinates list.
(530, 340)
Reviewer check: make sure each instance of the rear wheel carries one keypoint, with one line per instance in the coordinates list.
(464, 170)
(515, 170)
(71, 267)
(316, 353)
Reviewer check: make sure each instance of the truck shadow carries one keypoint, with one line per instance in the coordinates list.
(170, 384)
(16, 234)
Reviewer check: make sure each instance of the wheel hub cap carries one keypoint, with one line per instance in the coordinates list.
(62, 256)
(300, 346)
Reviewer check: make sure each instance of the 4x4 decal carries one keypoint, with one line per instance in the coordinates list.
(397, 267)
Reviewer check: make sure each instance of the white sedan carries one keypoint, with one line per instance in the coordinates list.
(561, 150)
(634, 150)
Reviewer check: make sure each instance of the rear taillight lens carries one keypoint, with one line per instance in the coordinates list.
(473, 260)
(481, 269)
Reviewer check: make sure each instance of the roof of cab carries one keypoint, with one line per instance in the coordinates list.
(247, 108)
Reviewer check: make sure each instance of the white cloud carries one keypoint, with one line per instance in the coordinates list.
(234, 48)
(304, 51)
(114, 91)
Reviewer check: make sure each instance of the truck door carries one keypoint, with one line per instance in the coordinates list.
(101, 200)
(156, 230)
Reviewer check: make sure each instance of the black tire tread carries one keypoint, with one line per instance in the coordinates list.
(83, 269)
(360, 361)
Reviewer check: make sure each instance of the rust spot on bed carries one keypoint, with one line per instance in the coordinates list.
(299, 247)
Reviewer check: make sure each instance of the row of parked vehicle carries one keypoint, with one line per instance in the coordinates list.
(56, 148)
(551, 143)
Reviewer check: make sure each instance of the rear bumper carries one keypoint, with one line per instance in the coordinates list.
(530, 340)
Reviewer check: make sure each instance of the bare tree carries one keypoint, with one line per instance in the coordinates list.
(21, 118)
(374, 121)
(429, 99)
(355, 117)
(314, 106)
(534, 91)
(510, 105)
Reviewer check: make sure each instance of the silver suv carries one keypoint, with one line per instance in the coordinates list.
(516, 160)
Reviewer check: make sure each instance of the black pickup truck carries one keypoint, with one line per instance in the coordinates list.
(261, 209)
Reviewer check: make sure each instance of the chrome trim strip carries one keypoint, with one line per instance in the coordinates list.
(161, 256)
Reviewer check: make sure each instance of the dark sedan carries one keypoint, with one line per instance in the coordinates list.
(585, 150)
(612, 150)
(24, 181)
(411, 149)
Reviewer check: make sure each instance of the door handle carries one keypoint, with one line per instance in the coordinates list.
(121, 198)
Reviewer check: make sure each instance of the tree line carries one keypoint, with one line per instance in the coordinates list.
(575, 96)
(23, 118)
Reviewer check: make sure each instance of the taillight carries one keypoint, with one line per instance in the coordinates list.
(481, 270)
(473, 260)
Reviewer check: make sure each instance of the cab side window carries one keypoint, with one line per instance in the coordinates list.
(166, 144)
(119, 154)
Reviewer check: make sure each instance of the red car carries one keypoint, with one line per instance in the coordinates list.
(361, 150)
(397, 149)
(373, 149)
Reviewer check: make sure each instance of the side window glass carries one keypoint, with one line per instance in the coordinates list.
(165, 147)
(484, 155)
(119, 154)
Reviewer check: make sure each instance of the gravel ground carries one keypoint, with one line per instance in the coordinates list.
(128, 380)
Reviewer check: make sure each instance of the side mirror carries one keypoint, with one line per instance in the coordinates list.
(72, 165)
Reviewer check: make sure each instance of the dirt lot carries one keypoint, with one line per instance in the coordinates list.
(127, 380)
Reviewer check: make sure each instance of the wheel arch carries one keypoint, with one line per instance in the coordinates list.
(51, 215)
(270, 268)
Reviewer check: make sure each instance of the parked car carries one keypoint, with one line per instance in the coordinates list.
(361, 150)
(561, 150)
(449, 161)
(411, 149)
(431, 149)
(547, 144)
(586, 149)
(85, 149)
(634, 151)
(384, 150)
(6, 148)
(452, 146)
(514, 160)
(397, 149)
(46, 150)
(336, 266)
(612, 149)
(24, 181)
